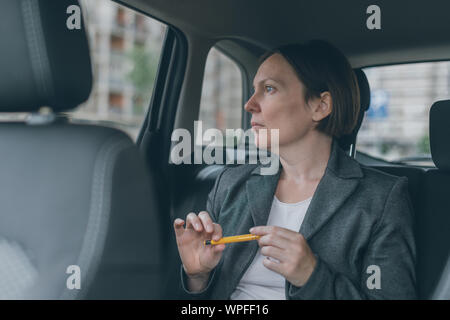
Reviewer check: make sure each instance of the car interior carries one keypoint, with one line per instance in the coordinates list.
(88, 195)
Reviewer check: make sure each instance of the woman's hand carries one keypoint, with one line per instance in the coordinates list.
(198, 259)
(296, 260)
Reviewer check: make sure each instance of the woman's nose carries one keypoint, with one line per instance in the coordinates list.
(251, 105)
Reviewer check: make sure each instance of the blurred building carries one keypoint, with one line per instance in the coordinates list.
(115, 33)
(221, 104)
(397, 122)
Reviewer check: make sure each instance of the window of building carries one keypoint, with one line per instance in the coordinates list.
(121, 17)
(124, 62)
(221, 101)
(395, 127)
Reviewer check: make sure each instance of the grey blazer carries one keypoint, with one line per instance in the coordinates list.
(358, 218)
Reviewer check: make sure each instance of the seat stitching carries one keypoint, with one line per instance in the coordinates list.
(36, 46)
(99, 214)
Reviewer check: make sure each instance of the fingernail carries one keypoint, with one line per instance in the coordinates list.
(251, 230)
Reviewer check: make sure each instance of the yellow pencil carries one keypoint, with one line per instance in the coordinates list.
(240, 238)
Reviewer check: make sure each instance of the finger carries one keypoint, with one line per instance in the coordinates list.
(274, 240)
(206, 220)
(281, 232)
(178, 226)
(261, 230)
(217, 234)
(272, 265)
(273, 252)
(193, 222)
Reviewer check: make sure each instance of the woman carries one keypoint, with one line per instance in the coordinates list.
(330, 228)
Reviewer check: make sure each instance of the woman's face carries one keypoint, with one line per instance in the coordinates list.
(278, 103)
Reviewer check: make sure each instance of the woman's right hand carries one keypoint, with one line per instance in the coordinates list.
(198, 259)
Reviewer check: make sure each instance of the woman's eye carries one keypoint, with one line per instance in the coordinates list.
(269, 89)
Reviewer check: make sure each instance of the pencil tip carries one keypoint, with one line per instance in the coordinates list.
(207, 242)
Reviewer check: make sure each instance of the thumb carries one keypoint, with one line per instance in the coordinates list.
(218, 248)
(178, 226)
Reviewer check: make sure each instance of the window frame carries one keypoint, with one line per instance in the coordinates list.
(400, 162)
(245, 120)
(160, 115)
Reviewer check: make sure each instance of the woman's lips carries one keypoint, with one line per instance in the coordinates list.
(256, 125)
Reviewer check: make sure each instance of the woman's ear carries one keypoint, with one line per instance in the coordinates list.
(324, 107)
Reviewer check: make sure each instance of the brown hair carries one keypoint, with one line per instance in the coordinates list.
(322, 67)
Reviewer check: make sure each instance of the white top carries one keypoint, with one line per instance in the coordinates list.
(258, 282)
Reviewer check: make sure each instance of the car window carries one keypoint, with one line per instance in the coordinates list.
(395, 127)
(221, 101)
(125, 50)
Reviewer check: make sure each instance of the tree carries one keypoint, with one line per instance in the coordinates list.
(424, 144)
(142, 76)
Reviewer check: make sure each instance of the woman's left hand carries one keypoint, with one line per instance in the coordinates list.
(296, 260)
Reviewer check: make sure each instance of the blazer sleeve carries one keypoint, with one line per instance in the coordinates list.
(205, 293)
(391, 254)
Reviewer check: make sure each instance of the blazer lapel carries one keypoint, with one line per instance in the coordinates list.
(260, 190)
(237, 257)
(339, 181)
(330, 194)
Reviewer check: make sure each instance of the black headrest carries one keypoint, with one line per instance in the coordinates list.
(440, 134)
(364, 93)
(42, 61)
(364, 90)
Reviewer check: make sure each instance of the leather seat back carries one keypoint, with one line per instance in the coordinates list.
(429, 191)
(70, 195)
(434, 236)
